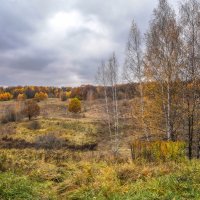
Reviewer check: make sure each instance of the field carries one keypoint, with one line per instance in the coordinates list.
(60, 155)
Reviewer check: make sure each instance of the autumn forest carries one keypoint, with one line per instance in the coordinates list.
(133, 134)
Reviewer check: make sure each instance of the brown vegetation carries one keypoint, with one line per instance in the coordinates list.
(31, 109)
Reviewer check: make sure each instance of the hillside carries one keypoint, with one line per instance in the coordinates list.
(59, 155)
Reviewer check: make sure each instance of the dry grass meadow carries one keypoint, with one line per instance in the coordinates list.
(60, 155)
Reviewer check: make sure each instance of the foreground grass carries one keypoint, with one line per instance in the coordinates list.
(149, 183)
(21, 187)
(78, 175)
(31, 174)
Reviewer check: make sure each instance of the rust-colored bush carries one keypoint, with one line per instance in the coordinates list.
(31, 109)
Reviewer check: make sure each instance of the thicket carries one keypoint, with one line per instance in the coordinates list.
(6, 96)
(18, 111)
(158, 151)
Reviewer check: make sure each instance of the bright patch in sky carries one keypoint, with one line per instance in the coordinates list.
(73, 21)
(62, 42)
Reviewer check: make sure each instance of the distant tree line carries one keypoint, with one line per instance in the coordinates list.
(83, 92)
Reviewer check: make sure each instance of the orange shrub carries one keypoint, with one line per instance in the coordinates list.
(5, 96)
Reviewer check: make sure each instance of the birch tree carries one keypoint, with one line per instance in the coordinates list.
(108, 77)
(102, 80)
(190, 23)
(163, 62)
(112, 81)
(133, 68)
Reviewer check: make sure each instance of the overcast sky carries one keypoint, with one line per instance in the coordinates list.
(62, 42)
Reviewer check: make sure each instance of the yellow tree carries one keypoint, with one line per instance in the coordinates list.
(40, 96)
(74, 105)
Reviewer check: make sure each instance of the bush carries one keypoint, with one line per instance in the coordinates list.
(40, 96)
(68, 94)
(83, 147)
(34, 125)
(8, 130)
(64, 97)
(6, 96)
(49, 141)
(21, 97)
(11, 115)
(31, 109)
(75, 105)
(157, 150)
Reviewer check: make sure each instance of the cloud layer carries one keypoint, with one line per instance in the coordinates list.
(61, 42)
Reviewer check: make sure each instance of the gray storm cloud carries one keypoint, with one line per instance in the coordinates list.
(62, 42)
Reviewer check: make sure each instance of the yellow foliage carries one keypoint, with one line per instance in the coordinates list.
(68, 94)
(40, 96)
(6, 96)
(74, 105)
(107, 180)
(21, 97)
(158, 150)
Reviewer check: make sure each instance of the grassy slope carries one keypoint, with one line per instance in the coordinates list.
(62, 174)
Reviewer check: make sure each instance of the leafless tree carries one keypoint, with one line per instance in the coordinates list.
(108, 77)
(112, 77)
(102, 79)
(134, 67)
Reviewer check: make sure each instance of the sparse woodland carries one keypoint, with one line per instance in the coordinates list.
(135, 135)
